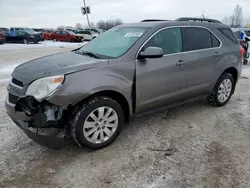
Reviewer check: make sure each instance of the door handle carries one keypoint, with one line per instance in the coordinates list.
(180, 63)
(216, 54)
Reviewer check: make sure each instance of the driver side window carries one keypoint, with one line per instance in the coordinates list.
(170, 40)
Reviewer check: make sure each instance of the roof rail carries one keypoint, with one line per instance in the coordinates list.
(198, 20)
(153, 20)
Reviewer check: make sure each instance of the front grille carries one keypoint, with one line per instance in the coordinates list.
(13, 98)
(17, 82)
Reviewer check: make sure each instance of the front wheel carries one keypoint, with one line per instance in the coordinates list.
(222, 91)
(25, 41)
(97, 123)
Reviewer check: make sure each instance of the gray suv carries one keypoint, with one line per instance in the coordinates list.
(131, 69)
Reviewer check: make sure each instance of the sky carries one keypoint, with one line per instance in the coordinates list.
(52, 13)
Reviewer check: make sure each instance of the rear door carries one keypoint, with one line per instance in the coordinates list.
(65, 36)
(58, 35)
(161, 80)
(202, 49)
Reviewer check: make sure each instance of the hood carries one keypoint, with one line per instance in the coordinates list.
(56, 64)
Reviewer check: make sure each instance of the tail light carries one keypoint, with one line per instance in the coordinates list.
(242, 51)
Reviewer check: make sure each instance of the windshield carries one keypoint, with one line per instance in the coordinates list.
(247, 32)
(71, 32)
(114, 42)
(29, 31)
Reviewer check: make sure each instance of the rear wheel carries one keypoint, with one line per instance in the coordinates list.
(54, 39)
(98, 123)
(222, 91)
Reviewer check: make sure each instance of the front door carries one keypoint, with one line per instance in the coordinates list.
(161, 80)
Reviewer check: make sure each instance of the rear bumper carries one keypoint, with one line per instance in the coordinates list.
(48, 137)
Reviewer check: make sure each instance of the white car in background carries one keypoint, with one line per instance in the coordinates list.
(87, 35)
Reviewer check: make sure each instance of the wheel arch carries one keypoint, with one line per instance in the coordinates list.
(233, 71)
(115, 95)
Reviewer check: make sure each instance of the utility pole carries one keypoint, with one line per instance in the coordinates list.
(86, 13)
(202, 14)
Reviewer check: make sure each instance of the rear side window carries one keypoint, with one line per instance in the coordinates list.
(215, 41)
(85, 32)
(227, 32)
(196, 39)
(237, 34)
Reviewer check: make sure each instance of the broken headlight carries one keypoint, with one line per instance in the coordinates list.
(44, 87)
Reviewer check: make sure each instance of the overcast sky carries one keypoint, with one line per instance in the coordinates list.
(51, 13)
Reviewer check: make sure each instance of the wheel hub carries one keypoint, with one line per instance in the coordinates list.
(224, 90)
(100, 125)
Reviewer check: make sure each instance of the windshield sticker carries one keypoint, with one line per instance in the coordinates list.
(133, 34)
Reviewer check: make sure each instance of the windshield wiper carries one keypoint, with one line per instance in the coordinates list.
(90, 54)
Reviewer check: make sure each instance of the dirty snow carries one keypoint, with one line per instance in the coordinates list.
(44, 44)
(212, 146)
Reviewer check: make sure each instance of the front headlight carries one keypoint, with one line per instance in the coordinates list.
(44, 87)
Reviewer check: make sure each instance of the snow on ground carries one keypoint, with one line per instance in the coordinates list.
(44, 44)
(246, 71)
(12, 55)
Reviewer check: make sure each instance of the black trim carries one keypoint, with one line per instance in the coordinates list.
(198, 19)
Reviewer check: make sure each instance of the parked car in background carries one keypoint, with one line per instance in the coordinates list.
(72, 29)
(88, 35)
(128, 70)
(5, 30)
(244, 31)
(38, 30)
(2, 37)
(66, 36)
(95, 30)
(24, 36)
(47, 34)
(26, 29)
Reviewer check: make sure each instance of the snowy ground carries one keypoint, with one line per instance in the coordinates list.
(212, 144)
(10, 58)
(44, 44)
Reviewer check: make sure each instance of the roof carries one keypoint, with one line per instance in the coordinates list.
(152, 24)
(185, 21)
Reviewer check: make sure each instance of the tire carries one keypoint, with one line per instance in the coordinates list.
(215, 98)
(54, 40)
(25, 41)
(83, 118)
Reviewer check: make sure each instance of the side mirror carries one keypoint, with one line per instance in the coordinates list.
(151, 52)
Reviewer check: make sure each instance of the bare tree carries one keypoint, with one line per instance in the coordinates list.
(236, 19)
(108, 24)
(246, 22)
(78, 26)
(226, 21)
(238, 16)
(60, 27)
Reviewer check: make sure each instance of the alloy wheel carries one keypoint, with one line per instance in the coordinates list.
(100, 125)
(224, 90)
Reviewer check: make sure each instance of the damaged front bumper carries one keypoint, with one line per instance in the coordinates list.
(42, 122)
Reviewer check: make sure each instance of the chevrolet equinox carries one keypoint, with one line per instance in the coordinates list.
(90, 92)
